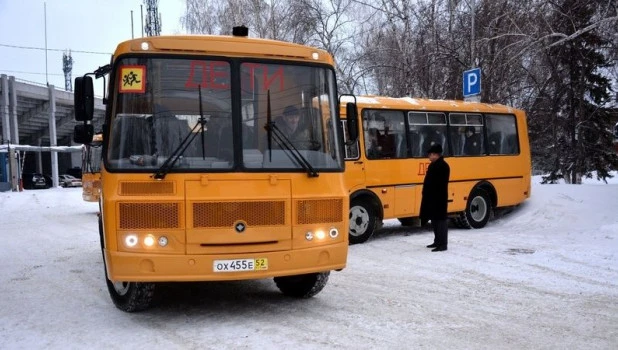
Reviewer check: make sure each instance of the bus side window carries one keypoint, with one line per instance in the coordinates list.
(456, 136)
(388, 142)
(402, 148)
(502, 134)
(511, 146)
(431, 136)
(473, 145)
(495, 142)
(415, 142)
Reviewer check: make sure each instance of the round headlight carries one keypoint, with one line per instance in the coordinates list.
(130, 241)
(333, 232)
(309, 236)
(149, 241)
(162, 241)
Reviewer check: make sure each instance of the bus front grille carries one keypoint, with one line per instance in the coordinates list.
(146, 188)
(133, 216)
(315, 211)
(225, 214)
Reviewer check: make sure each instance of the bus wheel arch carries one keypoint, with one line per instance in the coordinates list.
(479, 208)
(365, 216)
(127, 296)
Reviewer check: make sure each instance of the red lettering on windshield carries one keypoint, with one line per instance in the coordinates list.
(278, 74)
(208, 75)
(267, 80)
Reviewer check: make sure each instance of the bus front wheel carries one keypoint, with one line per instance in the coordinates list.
(302, 286)
(362, 221)
(478, 210)
(131, 296)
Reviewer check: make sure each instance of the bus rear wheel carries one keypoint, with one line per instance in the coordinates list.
(302, 286)
(131, 296)
(362, 221)
(478, 210)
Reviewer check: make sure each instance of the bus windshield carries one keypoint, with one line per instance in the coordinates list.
(182, 108)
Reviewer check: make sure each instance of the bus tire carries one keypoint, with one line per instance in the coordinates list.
(302, 286)
(131, 296)
(478, 210)
(362, 221)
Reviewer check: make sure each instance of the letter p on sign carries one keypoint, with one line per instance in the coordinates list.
(472, 82)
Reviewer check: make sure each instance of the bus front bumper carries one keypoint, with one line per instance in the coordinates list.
(140, 267)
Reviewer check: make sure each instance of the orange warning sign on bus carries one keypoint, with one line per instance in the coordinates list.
(133, 79)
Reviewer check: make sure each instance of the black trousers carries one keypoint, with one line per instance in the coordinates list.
(440, 231)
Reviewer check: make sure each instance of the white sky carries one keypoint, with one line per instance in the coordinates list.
(79, 25)
(544, 276)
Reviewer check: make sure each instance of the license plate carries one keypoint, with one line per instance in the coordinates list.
(236, 265)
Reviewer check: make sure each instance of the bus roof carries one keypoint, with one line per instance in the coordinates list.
(407, 103)
(235, 46)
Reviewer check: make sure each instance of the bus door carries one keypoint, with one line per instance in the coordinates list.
(388, 164)
(354, 165)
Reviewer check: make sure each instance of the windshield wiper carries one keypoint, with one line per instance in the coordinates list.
(269, 131)
(202, 122)
(285, 143)
(182, 147)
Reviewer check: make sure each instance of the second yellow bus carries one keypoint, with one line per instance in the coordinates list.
(486, 146)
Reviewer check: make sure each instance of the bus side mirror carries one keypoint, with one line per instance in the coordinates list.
(84, 98)
(351, 121)
(83, 133)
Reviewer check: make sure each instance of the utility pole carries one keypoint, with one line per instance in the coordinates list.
(473, 14)
(45, 21)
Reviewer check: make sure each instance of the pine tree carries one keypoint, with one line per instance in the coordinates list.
(578, 92)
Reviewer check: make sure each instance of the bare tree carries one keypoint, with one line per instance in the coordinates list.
(200, 17)
(555, 59)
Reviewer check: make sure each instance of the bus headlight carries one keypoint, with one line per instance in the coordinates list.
(130, 240)
(319, 234)
(309, 235)
(149, 241)
(333, 232)
(162, 241)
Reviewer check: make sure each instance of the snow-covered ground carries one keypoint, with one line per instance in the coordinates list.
(544, 276)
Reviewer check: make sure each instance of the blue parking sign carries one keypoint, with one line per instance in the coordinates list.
(472, 82)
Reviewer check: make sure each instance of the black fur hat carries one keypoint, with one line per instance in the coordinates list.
(437, 148)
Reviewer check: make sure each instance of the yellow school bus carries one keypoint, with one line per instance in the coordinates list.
(91, 169)
(486, 146)
(199, 183)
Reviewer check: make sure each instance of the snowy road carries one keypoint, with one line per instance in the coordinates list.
(544, 276)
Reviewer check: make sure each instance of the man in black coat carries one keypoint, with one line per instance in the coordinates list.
(435, 198)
